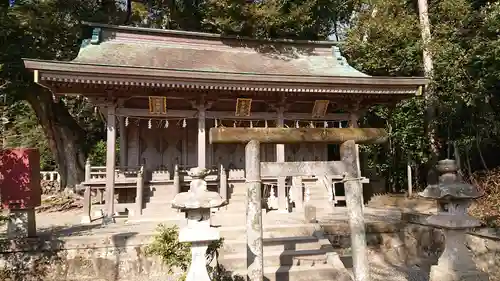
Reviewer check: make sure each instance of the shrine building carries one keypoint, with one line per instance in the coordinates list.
(160, 92)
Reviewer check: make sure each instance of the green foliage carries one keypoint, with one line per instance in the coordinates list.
(173, 253)
(166, 245)
(308, 19)
(386, 40)
(97, 154)
(22, 130)
(48, 29)
(383, 39)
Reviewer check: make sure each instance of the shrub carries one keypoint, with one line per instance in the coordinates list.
(175, 254)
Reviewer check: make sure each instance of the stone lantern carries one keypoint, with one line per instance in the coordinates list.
(197, 203)
(455, 263)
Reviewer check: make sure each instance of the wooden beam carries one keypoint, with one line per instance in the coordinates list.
(306, 168)
(298, 135)
(140, 112)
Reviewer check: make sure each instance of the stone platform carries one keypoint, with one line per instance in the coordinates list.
(116, 252)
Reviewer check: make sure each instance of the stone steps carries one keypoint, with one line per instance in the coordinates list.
(158, 204)
(291, 251)
(317, 272)
(272, 244)
(158, 217)
(269, 231)
(287, 256)
(310, 257)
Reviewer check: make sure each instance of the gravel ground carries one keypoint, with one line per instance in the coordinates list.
(383, 270)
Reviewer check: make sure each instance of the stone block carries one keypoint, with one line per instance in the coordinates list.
(310, 213)
(21, 223)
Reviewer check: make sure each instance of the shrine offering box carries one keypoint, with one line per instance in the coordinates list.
(20, 178)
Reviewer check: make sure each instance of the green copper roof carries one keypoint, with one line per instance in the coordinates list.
(149, 48)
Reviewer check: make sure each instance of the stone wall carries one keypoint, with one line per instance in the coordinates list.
(415, 244)
(110, 258)
(484, 243)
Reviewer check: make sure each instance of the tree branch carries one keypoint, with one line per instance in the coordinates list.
(4, 85)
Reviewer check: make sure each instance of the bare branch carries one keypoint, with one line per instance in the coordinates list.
(4, 85)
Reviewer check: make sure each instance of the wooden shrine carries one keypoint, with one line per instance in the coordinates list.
(161, 90)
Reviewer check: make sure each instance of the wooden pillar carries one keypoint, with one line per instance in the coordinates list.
(87, 205)
(88, 173)
(139, 196)
(354, 201)
(184, 148)
(222, 182)
(110, 164)
(177, 180)
(298, 193)
(280, 157)
(123, 143)
(255, 255)
(202, 138)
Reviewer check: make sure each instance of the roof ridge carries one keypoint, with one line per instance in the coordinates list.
(206, 35)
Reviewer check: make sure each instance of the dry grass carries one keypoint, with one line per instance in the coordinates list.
(487, 208)
(59, 202)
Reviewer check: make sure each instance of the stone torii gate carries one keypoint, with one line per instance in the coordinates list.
(346, 137)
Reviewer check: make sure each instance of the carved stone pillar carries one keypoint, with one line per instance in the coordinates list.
(255, 253)
(353, 123)
(354, 200)
(280, 157)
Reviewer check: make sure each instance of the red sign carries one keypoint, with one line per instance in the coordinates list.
(20, 178)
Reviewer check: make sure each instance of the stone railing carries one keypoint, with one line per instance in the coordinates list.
(50, 181)
(161, 175)
(236, 174)
(50, 176)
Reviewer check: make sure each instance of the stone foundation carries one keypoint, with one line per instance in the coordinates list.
(484, 244)
(116, 257)
(412, 243)
(122, 257)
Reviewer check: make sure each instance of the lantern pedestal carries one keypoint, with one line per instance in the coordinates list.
(197, 203)
(21, 223)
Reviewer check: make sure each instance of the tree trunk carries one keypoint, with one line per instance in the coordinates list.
(429, 102)
(64, 135)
